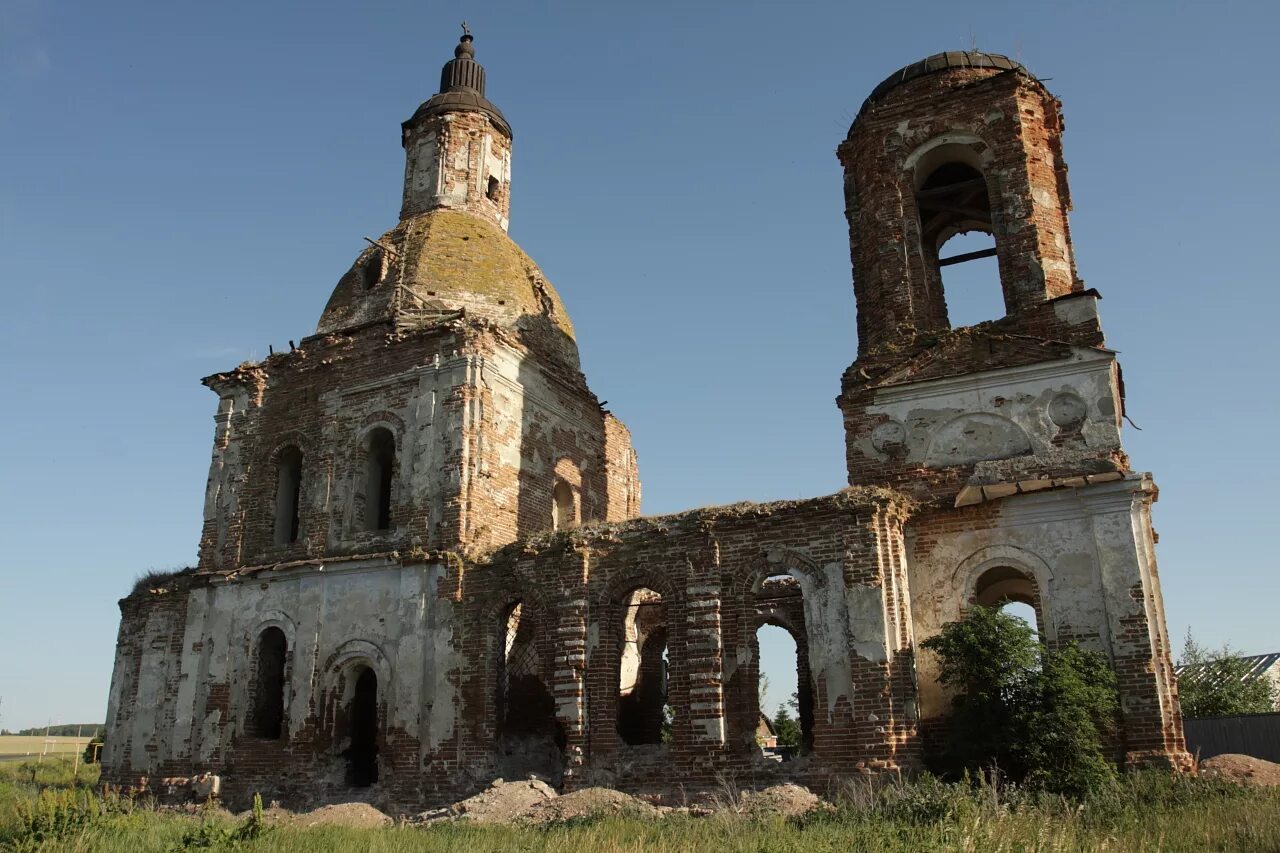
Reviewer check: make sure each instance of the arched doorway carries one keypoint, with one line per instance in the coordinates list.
(268, 688)
(362, 723)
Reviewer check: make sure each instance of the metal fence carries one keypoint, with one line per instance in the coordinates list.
(1248, 734)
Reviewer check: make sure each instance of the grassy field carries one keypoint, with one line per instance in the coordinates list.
(21, 747)
(1147, 813)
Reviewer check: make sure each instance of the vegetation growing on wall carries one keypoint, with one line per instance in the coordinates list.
(1023, 711)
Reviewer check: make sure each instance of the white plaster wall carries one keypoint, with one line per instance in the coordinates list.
(426, 435)
(1083, 547)
(421, 171)
(377, 612)
(1001, 413)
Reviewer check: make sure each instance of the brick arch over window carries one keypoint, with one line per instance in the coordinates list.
(609, 606)
(953, 192)
(523, 653)
(998, 574)
(642, 667)
(357, 680)
(335, 674)
(375, 471)
(286, 466)
(754, 600)
(269, 648)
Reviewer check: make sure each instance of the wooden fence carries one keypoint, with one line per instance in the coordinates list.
(1248, 734)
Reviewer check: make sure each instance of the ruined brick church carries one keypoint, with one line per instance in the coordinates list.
(422, 564)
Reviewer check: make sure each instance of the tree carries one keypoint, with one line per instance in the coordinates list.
(1219, 683)
(986, 658)
(786, 728)
(1038, 716)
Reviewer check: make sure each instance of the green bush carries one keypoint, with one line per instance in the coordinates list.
(214, 834)
(1024, 712)
(59, 813)
(1218, 683)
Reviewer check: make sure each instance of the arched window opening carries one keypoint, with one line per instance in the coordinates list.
(268, 689)
(563, 513)
(777, 730)
(643, 713)
(531, 740)
(380, 457)
(362, 721)
(492, 191)
(955, 211)
(785, 696)
(1013, 592)
(524, 703)
(288, 492)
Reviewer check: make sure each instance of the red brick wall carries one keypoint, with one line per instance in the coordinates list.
(1017, 125)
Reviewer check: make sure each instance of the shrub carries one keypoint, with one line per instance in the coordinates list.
(57, 814)
(1033, 715)
(1218, 683)
(212, 834)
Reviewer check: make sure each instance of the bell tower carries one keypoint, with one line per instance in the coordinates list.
(458, 146)
(954, 143)
(1007, 433)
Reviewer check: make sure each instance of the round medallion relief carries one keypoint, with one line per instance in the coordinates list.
(889, 437)
(1067, 410)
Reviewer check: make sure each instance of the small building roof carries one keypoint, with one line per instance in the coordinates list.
(1258, 665)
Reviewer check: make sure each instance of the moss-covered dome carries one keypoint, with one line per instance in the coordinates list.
(443, 265)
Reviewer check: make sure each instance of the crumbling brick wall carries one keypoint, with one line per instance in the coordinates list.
(469, 639)
(482, 430)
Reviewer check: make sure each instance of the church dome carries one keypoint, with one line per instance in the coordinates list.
(937, 63)
(446, 265)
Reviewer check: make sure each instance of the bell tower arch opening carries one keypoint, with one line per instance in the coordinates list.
(953, 204)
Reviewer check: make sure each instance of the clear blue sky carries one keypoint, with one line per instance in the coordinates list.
(181, 184)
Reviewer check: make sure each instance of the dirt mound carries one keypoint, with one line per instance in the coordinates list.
(785, 800)
(587, 803)
(359, 815)
(1244, 769)
(503, 802)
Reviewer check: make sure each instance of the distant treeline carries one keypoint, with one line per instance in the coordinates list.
(66, 730)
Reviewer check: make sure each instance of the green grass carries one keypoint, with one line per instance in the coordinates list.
(1147, 812)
